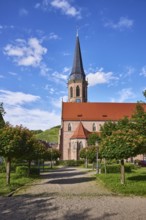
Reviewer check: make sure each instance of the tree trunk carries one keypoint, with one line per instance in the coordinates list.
(86, 163)
(122, 172)
(8, 169)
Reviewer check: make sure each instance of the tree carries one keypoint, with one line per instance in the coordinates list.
(14, 143)
(121, 145)
(107, 128)
(2, 112)
(92, 138)
(89, 154)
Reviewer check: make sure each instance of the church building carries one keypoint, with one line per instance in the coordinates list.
(79, 117)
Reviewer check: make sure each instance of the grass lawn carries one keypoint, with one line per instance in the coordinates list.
(16, 182)
(135, 183)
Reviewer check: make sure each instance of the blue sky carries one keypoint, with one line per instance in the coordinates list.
(37, 41)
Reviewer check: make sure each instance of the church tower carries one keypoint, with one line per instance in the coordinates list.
(77, 84)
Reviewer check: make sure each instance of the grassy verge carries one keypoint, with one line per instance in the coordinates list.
(16, 182)
(135, 183)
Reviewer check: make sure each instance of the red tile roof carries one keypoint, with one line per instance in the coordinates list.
(97, 111)
(80, 132)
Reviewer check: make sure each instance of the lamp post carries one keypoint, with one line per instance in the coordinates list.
(97, 167)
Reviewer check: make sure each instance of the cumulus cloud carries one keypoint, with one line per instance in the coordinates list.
(53, 36)
(123, 23)
(143, 71)
(66, 8)
(33, 119)
(61, 76)
(124, 95)
(57, 102)
(63, 5)
(23, 12)
(17, 113)
(16, 98)
(26, 53)
(100, 77)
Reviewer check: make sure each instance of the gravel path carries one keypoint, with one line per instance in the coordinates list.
(70, 194)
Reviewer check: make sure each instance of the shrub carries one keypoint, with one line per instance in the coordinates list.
(22, 170)
(71, 163)
(115, 168)
(2, 168)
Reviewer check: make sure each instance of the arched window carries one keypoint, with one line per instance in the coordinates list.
(77, 91)
(71, 92)
(93, 127)
(69, 127)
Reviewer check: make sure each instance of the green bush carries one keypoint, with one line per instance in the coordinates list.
(34, 171)
(116, 168)
(71, 163)
(2, 168)
(22, 171)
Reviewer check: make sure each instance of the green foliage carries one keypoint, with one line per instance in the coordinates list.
(36, 131)
(83, 153)
(93, 138)
(22, 170)
(144, 93)
(107, 128)
(51, 154)
(2, 168)
(121, 145)
(2, 112)
(89, 153)
(71, 163)
(50, 135)
(115, 168)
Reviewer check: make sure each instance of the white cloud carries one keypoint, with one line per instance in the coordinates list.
(125, 94)
(16, 98)
(100, 77)
(37, 5)
(66, 69)
(23, 12)
(31, 118)
(1, 76)
(49, 89)
(61, 76)
(66, 54)
(66, 8)
(24, 53)
(34, 118)
(44, 69)
(123, 23)
(53, 36)
(143, 71)
(130, 70)
(13, 74)
(57, 102)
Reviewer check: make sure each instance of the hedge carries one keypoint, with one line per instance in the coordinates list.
(22, 170)
(116, 168)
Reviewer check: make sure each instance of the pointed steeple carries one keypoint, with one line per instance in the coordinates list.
(77, 69)
(77, 84)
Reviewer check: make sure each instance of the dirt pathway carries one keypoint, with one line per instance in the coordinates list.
(70, 194)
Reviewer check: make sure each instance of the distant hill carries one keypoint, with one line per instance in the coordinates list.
(50, 135)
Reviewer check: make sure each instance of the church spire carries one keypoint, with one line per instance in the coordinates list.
(77, 68)
(77, 84)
